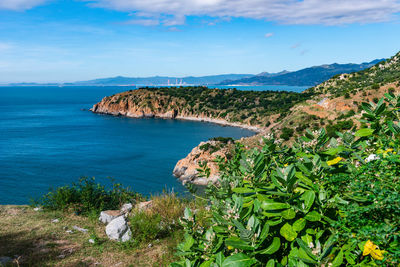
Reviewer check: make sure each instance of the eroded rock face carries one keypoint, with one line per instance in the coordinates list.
(109, 215)
(186, 169)
(126, 208)
(119, 230)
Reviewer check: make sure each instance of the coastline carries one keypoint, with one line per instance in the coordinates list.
(222, 122)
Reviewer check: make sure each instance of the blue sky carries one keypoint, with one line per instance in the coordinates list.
(71, 40)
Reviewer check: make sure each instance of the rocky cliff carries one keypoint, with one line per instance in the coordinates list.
(256, 111)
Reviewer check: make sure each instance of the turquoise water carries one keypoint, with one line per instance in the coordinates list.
(48, 138)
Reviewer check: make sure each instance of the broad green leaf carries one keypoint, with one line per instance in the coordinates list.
(338, 259)
(271, 249)
(206, 264)
(313, 216)
(299, 224)
(238, 260)
(287, 232)
(219, 259)
(288, 214)
(364, 132)
(350, 258)
(264, 232)
(238, 243)
(306, 249)
(187, 213)
(187, 244)
(271, 263)
(308, 197)
(274, 205)
(367, 107)
(243, 190)
(274, 222)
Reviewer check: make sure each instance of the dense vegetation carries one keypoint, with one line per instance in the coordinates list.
(323, 201)
(372, 78)
(86, 196)
(253, 107)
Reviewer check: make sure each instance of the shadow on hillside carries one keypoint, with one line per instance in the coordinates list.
(29, 250)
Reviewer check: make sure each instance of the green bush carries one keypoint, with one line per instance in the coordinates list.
(320, 202)
(286, 133)
(87, 196)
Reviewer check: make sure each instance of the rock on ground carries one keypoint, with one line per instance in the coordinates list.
(119, 230)
(126, 208)
(109, 215)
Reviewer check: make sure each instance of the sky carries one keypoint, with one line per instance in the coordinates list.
(76, 40)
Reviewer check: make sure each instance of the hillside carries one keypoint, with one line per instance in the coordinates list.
(381, 74)
(304, 77)
(334, 105)
(242, 108)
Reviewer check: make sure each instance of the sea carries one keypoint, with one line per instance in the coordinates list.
(49, 138)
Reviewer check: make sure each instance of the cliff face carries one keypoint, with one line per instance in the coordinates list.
(186, 168)
(136, 107)
(144, 103)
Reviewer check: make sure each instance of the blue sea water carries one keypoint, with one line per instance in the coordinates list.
(48, 138)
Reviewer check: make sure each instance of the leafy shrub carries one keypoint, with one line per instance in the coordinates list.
(286, 133)
(205, 146)
(87, 196)
(221, 139)
(321, 202)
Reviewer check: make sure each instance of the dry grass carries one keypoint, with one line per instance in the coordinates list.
(32, 239)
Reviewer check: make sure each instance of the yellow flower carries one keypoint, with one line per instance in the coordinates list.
(373, 250)
(334, 161)
(389, 150)
(230, 247)
(286, 165)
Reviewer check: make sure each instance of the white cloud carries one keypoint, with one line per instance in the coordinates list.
(269, 35)
(18, 5)
(327, 12)
(144, 22)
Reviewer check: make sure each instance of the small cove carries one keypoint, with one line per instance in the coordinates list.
(48, 138)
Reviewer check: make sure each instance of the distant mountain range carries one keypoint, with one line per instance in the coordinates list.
(304, 77)
(164, 80)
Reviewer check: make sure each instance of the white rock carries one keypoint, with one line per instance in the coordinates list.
(37, 209)
(126, 208)
(109, 215)
(83, 230)
(91, 241)
(118, 229)
(55, 221)
(69, 231)
(371, 157)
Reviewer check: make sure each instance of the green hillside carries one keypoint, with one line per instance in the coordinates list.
(384, 72)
